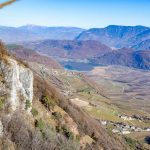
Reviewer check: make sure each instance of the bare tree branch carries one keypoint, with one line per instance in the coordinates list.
(7, 3)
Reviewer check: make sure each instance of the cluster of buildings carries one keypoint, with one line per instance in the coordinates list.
(121, 128)
(141, 118)
(127, 118)
(134, 117)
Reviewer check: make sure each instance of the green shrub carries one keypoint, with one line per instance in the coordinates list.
(49, 132)
(48, 102)
(85, 89)
(67, 133)
(34, 112)
(57, 115)
(27, 104)
(1, 103)
(40, 124)
(131, 142)
(69, 145)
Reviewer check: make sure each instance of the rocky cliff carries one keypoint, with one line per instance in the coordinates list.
(16, 84)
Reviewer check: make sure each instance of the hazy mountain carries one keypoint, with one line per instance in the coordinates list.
(31, 56)
(33, 32)
(141, 37)
(112, 36)
(84, 55)
(87, 45)
(124, 57)
(69, 49)
(117, 36)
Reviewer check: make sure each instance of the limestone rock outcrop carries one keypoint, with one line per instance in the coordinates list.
(16, 84)
(1, 129)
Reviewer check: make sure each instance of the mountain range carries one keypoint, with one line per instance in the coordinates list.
(112, 45)
(46, 107)
(114, 36)
(69, 49)
(118, 36)
(124, 57)
(33, 33)
(87, 54)
(27, 55)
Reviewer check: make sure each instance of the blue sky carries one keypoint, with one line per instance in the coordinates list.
(79, 13)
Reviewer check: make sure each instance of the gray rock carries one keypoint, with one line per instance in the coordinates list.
(1, 129)
(17, 86)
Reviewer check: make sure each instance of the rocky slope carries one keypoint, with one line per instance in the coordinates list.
(16, 83)
(35, 115)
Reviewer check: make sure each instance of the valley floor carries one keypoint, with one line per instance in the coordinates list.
(118, 97)
(128, 89)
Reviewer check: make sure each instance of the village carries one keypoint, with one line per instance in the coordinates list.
(122, 128)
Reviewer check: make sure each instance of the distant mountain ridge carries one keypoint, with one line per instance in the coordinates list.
(90, 53)
(68, 49)
(124, 57)
(112, 45)
(113, 35)
(117, 36)
(29, 55)
(33, 33)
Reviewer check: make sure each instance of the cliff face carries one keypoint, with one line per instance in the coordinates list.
(16, 84)
(1, 129)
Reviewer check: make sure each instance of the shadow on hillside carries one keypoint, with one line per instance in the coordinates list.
(147, 139)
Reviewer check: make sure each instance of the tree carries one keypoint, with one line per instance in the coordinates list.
(7, 3)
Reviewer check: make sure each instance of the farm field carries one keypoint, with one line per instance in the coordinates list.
(104, 94)
(127, 88)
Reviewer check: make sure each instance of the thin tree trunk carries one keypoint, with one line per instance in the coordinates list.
(7, 3)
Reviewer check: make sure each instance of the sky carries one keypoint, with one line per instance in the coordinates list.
(76, 13)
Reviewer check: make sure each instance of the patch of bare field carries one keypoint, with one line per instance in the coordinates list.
(140, 135)
(101, 72)
(79, 102)
(126, 87)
